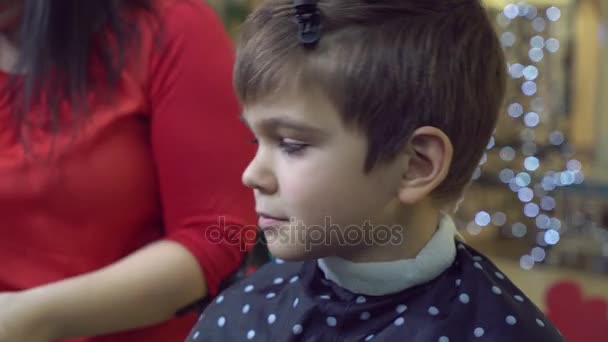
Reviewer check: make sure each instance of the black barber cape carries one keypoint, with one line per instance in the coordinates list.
(293, 301)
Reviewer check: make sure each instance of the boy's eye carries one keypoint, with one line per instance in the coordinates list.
(288, 146)
(291, 147)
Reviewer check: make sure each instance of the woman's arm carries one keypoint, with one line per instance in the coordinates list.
(146, 288)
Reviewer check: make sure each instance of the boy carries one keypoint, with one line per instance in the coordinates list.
(370, 118)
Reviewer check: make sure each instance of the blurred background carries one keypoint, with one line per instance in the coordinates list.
(539, 203)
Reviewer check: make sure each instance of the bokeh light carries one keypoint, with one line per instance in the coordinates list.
(527, 169)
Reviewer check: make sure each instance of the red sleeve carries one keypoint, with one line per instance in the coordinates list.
(199, 144)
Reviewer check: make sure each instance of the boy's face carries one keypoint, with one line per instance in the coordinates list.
(309, 183)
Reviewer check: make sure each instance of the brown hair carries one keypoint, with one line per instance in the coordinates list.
(389, 67)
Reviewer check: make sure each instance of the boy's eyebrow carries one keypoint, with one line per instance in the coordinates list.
(275, 123)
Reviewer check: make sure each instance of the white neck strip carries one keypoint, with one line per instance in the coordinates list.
(383, 278)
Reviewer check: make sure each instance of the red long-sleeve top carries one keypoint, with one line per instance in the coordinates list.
(161, 161)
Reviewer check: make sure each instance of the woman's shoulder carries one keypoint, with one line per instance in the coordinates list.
(178, 35)
(174, 19)
(184, 10)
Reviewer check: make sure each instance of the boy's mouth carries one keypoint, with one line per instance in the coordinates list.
(270, 221)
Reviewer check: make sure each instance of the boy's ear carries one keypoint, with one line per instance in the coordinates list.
(430, 156)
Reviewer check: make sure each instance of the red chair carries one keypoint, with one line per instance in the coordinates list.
(578, 318)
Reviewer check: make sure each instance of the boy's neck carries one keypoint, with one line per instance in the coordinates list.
(416, 227)
(383, 278)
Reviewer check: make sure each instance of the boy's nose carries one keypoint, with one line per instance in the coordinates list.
(259, 176)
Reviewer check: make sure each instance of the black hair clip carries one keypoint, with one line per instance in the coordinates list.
(308, 18)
